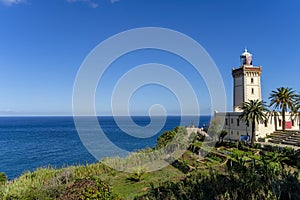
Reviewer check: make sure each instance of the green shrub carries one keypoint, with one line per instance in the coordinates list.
(257, 146)
(3, 178)
(182, 166)
(88, 188)
(165, 138)
(137, 176)
(44, 183)
(259, 180)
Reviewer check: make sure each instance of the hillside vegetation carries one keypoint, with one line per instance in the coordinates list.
(229, 171)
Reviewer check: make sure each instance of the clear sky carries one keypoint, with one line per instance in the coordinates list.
(43, 43)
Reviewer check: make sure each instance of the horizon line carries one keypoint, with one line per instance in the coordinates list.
(172, 115)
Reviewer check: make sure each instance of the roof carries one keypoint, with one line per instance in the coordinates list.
(246, 53)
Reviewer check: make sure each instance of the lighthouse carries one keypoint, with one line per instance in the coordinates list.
(246, 81)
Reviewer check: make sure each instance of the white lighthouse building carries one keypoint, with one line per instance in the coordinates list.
(247, 86)
(246, 80)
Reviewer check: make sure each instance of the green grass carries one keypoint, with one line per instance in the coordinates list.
(129, 189)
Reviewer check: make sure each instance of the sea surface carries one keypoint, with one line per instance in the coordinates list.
(27, 143)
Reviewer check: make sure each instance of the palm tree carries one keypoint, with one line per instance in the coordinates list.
(285, 99)
(296, 113)
(254, 112)
(273, 114)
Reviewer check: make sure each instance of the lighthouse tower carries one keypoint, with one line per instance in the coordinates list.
(246, 80)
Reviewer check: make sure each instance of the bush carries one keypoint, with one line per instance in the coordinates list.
(41, 184)
(88, 188)
(137, 176)
(3, 178)
(165, 138)
(182, 166)
(239, 182)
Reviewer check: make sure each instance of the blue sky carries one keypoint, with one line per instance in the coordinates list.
(43, 43)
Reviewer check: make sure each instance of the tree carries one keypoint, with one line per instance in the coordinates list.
(254, 112)
(273, 114)
(283, 98)
(222, 135)
(296, 111)
(214, 128)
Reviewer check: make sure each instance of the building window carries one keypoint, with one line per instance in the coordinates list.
(231, 121)
(237, 122)
(280, 122)
(252, 81)
(293, 123)
(252, 90)
(231, 132)
(238, 133)
(226, 121)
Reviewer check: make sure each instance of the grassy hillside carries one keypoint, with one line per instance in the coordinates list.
(229, 171)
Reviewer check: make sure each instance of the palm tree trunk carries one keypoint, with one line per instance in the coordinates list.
(299, 120)
(275, 122)
(253, 133)
(283, 119)
(275, 119)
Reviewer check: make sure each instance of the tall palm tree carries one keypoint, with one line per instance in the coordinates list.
(296, 113)
(283, 98)
(254, 112)
(273, 114)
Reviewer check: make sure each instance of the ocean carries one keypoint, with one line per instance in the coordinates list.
(27, 143)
